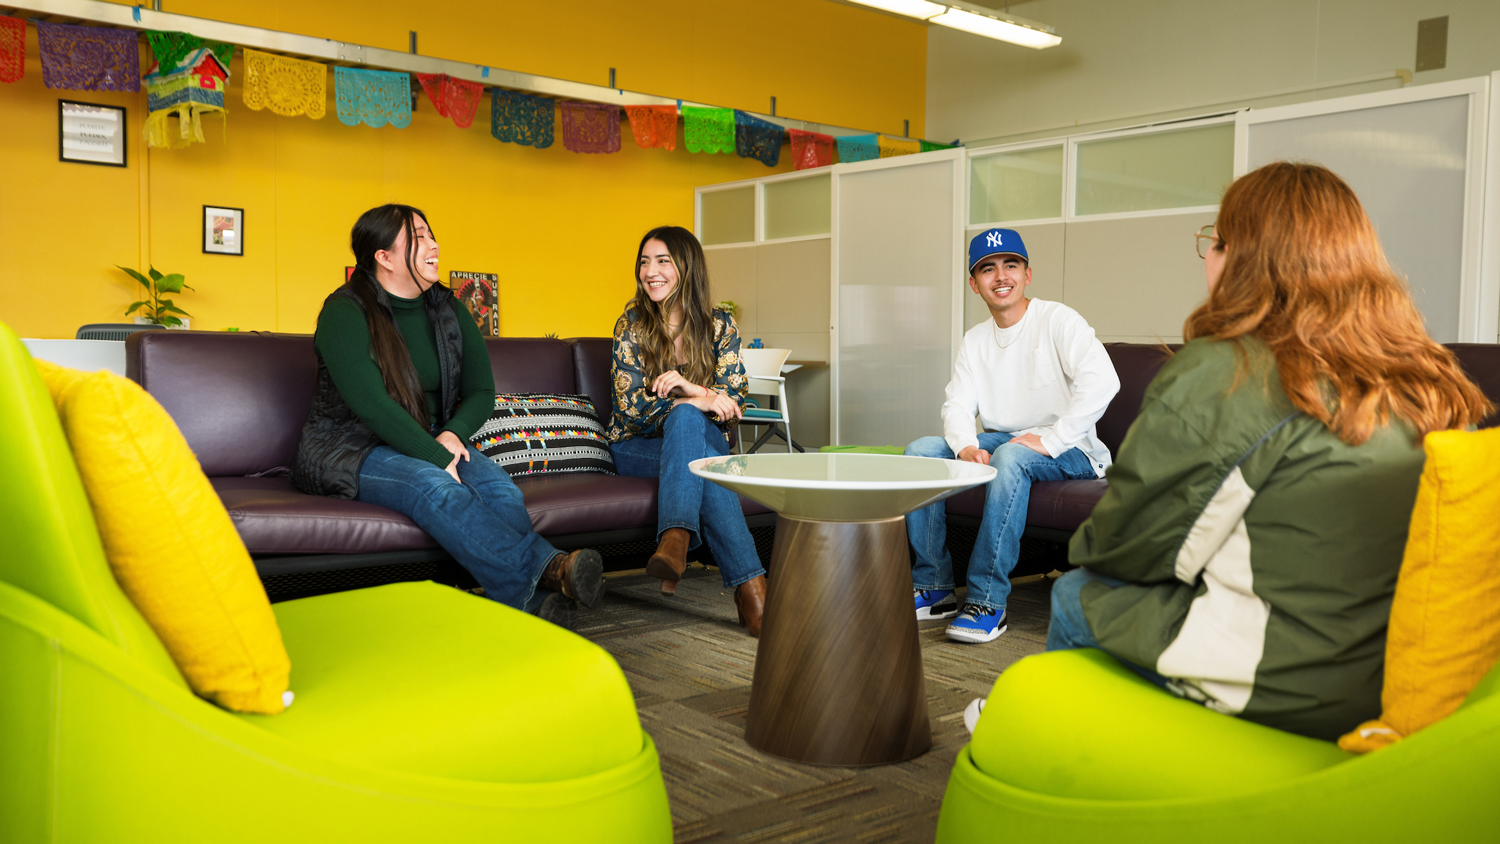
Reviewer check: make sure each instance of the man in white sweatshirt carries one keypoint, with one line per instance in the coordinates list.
(1037, 379)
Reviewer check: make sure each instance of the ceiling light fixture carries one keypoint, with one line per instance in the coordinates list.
(974, 19)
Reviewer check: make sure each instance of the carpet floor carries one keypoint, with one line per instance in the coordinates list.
(689, 664)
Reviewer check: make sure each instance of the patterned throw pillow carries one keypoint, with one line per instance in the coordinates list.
(543, 434)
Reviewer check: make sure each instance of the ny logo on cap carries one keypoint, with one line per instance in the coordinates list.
(992, 239)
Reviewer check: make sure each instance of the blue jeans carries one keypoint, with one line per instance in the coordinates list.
(482, 521)
(683, 500)
(999, 542)
(1069, 629)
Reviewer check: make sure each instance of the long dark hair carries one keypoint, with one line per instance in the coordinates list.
(650, 319)
(1305, 273)
(374, 231)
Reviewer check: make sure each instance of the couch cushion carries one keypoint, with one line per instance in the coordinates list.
(1054, 504)
(239, 398)
(592, 358)
(531, 365)
(1481, 362)
(1136, 364)
(425, 679)
(274, 518)
(563, 504)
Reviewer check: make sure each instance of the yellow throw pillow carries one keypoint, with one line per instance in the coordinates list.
(1445, 621)
(170, 542)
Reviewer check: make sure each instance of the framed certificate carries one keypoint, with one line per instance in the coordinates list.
(90, 134)
(223, 230)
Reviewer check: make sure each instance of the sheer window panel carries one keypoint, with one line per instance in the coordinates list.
(1184, 168)
(799, 207)
(727, 216)
(1022, 185)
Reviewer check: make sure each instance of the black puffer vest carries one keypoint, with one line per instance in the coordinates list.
(334, 441)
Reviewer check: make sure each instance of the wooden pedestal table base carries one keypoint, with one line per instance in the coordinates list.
(838, 675)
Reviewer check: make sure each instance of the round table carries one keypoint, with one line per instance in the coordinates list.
(838, 674)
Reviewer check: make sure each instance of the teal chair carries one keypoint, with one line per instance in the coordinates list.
(1074, 747)
(422, 713)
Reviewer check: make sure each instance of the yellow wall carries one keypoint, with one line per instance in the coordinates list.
(559, 228)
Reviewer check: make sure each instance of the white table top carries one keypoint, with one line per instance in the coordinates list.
(842, 487)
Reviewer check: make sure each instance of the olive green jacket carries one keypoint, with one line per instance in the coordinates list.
(1260, 552)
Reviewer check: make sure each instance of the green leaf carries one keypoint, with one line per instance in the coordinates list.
(170, 284)
(135, 275)
(155, 276)
(174, 309)
(136, 306)
(170, 320)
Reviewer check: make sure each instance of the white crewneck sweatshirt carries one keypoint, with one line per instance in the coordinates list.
(1046, 375)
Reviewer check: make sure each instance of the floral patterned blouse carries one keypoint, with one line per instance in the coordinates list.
(638, 412)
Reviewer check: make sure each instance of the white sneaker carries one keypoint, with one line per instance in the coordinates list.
(971, 714)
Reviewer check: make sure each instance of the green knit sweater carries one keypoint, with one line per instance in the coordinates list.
(343, 339)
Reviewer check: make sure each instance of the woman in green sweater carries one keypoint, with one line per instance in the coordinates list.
(403, 382)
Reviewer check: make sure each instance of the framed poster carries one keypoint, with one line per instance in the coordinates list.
(90, 134)
(223, 230)
(480, 293)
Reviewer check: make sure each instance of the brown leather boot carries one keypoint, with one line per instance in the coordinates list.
(578, 575)
(750, 600)
(670, 559)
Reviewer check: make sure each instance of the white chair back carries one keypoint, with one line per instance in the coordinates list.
(764, 364)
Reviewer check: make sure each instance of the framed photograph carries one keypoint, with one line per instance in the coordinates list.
(223, 230)
(91, 134)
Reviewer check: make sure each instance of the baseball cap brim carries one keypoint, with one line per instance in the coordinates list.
(998, 252)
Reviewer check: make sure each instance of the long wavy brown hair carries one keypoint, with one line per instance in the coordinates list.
(1304, 272)
(649, 320)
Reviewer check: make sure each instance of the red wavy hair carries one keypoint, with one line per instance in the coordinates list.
(1304, 272)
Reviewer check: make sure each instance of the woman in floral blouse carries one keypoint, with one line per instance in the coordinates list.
(678, 389)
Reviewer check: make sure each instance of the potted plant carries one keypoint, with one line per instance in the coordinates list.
(156, 310)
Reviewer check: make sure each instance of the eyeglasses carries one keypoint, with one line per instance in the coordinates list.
(1205, 240)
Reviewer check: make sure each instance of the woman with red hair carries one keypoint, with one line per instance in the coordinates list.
(1246, 552)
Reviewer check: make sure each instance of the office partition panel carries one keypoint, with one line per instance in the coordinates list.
(898, 284)
(1415, 158)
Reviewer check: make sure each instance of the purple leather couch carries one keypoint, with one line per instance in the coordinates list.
(241, 398)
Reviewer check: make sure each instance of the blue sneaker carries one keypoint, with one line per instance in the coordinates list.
(935, 604)
(976, 624)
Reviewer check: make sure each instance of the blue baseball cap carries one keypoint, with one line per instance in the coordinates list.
(996, 242)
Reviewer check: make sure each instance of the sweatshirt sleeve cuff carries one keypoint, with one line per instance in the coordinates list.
(1054, 445)
(958, 444)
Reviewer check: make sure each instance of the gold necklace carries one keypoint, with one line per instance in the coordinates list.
(995, 333)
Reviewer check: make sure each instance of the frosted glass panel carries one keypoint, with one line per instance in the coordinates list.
(728, 215)
(799, 207)
(1178, 169)
(897, 287)
(1406, 163)
(1025, 185)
